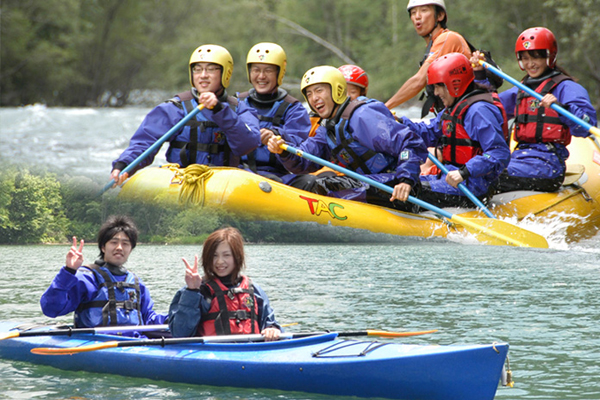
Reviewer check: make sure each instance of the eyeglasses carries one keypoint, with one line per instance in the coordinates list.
(211, 69)
(266, 71)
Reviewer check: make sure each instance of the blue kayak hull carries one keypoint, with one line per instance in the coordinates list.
(320, 364)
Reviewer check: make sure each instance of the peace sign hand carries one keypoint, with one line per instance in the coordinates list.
(75, 256)
(193, 280)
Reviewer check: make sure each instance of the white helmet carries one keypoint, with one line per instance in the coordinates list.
(416, 3)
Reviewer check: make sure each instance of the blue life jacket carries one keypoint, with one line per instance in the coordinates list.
(201, 141)
(349, 152)
(116, 303)
(272, 118)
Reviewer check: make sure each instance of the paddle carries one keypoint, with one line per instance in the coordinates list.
(490, 231)
(156, 145)
(210, 339)
(463, 188)
(97, 330)
(592, 129)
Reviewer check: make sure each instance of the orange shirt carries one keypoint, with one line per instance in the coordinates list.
(446, 42)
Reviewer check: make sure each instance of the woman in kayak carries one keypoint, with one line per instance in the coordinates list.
(222, 301)
(542, 135)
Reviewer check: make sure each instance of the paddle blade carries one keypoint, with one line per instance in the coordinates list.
(49, 351)
(9, 335)
(398, 334)
(500, 233)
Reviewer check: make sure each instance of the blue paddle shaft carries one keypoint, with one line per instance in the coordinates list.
(156, 144)
(463, 188)
(365, 179)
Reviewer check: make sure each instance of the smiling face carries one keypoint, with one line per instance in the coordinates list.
(223, 263)
(534, 66)
(207, 77)
(424, 19)
(440, 90)
(264, 78)
(319, 99)
(354, 91)
(117, 249)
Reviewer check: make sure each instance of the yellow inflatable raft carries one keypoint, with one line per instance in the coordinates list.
(254, 197)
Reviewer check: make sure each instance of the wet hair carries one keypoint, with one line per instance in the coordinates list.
(113, 225)
(234, 238)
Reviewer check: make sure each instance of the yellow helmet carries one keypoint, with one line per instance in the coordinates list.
(212, 53)
(326, 74)
(267, 53)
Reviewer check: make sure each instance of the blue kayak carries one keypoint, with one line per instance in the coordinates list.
(322, 363)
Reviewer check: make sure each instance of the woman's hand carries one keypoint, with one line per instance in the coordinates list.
(271, 334)
(193, 280)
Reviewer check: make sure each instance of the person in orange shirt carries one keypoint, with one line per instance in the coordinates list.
(429, 18)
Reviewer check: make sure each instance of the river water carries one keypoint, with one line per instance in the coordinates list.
(545, 303)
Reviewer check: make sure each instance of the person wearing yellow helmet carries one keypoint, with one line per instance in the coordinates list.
(429, 18)
(361, 135)
(278, 112)
(219, 135)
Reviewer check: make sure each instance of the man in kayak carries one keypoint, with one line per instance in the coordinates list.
(219, 135)
(470, 131)
(429, 19)
(105, 292)
(278, 112)
(361, 135)
(221, 300)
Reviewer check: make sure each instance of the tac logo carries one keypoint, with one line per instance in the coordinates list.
(316, 207)
(219, 137)
(345, 156)
(261, 57)
(526, 44)
(534, 104)
(249, 302)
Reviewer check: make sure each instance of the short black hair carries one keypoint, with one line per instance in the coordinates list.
(113, 225)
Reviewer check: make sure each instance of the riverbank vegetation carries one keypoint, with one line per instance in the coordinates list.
(102, 52)
(38, 206)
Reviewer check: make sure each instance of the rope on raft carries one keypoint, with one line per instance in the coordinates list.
(192, 187)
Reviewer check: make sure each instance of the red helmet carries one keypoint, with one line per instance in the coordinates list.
(537, 39)
(355, 75)
(454, 70)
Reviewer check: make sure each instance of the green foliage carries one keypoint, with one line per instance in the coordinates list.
(38, 207)
(94, 52)
(31, 208)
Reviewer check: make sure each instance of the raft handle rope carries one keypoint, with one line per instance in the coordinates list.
(193, 183)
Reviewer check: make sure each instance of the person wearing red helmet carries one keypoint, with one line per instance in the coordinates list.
(357, 80)
(429, 19)
(468, 130)
(542, 135)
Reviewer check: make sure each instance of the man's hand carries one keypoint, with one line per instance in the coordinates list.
(75, 256)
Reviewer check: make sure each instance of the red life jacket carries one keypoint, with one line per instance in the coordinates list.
(535, 124)
(232, 311)
(457, 146)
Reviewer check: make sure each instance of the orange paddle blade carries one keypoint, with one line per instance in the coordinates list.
(73, 350)
(398, 334)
